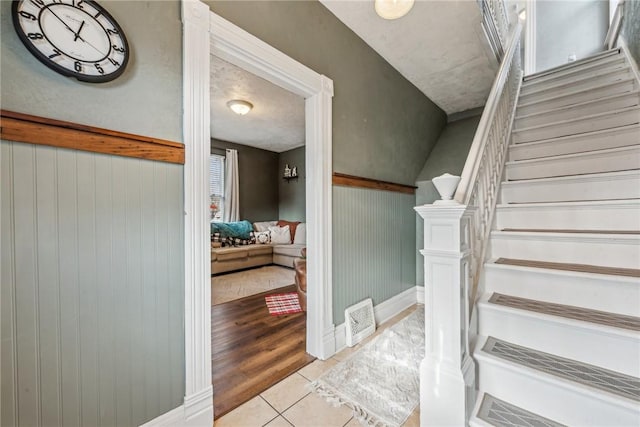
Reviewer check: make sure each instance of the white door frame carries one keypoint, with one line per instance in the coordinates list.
(205, 33)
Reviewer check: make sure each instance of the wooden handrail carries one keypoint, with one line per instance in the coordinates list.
(616, 24)
(472, 165)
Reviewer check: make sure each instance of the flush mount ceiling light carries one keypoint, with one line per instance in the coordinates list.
(393, 9)
(239, 106)
(522, 15)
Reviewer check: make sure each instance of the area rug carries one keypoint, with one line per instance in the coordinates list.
(381, 381)
(232, 286)
(279, 304)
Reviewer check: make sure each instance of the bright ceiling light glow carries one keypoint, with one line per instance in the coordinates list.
(393, 9)
(239, 106)
(522, 15)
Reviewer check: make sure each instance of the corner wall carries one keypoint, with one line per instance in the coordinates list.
(291, 194)
(631, 28)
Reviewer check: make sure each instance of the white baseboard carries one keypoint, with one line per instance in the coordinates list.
(197, 411)
(384, 311)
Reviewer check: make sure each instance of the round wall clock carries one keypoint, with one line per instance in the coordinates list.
(76, 38)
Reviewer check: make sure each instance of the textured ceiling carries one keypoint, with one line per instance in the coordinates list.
(438, 46)
(276, 122)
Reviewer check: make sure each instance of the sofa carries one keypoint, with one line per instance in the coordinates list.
(239, 254)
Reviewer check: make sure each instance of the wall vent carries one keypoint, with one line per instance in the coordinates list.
(360, 321)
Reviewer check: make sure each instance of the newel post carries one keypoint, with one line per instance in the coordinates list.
(447, 373)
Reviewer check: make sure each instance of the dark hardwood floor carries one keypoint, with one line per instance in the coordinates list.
(252, 350)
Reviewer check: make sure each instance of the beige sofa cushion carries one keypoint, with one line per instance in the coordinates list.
(288, 250)
(255, 250)
(227, 254)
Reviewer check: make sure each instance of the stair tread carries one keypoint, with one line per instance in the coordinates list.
(621, 385)
(550, 230)
(577, 155)
(579, 104)
(575, 203)
(580, 80)
(596, 57)
(580, 135)
(567, 71)
(568, 312)
(578, 119)
(581, 176)
(581, 268)
(499, 413)
(576, 92)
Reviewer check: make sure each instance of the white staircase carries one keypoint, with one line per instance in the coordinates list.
(559, 320)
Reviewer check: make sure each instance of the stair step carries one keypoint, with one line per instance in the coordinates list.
(571, 144)
(597, 106)
(589, 286)
(580, 84)
(572, 188)
(595, 377)
(570, 312)
(615, 215)
(571, 73)
(554, 230)
(498, 413)
(598, 161)
(581, 268)
(602, 56)
(557, 388)
(561, 82)
(580, 125)
(597, 91)
(607, 250)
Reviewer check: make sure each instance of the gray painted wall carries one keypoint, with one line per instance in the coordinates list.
(292, 193)
(92, 245)
(258, 175)
(145, 100)
(376, 255)
(92, 288)
(383, 126)
(631, 28)
(567, 27)
(449, 155)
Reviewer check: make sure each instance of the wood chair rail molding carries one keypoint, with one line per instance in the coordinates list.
(21, 127)
(356, 181)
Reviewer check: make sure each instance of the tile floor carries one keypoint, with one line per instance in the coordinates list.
(290, 403)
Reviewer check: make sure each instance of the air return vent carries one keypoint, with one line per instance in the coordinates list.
(360, 321)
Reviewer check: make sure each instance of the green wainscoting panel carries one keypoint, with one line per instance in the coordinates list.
(374, 245)
(92, 288)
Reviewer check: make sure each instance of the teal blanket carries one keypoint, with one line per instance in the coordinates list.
(240, 229)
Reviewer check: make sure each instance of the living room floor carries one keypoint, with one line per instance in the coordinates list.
(290, 403)
(232, 286)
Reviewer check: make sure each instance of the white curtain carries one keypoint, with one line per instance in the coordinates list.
(231, 187)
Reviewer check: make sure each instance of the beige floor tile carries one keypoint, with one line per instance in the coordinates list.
(287, 392)
(279, 422)
(353, 422)
(346, 352)
(414, 419)
(254, 413)
(313, 370)
(313, 411)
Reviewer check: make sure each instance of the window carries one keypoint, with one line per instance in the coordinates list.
(216, 186)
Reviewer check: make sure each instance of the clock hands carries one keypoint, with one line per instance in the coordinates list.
(78, 33)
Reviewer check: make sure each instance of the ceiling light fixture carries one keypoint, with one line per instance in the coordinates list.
(393, 9)
(239, 106)
(523, 14)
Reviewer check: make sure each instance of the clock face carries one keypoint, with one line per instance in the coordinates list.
(76, 38)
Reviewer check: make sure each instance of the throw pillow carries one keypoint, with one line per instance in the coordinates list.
(292, 227)
(301, 234)
(264, 225)
(280, 235)
(263, 237)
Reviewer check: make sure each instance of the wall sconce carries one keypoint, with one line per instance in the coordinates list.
(290, 173)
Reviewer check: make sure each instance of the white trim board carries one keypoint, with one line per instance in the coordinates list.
(632, 62)
(205, 33)
(242, 49)
(384, 311)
